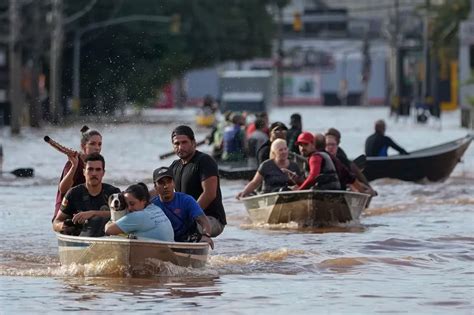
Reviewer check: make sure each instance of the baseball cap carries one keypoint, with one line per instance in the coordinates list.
(161, 172)
(305, 137)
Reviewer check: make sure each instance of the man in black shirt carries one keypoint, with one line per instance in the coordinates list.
(293, 133)
(196, 174)
(378, 143)
(86, 205)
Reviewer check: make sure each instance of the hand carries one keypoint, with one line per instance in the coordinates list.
(82, 217)
(239, 195)
(208, 240)
(74, 159)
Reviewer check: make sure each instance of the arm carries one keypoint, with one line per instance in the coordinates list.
(113, 229)
(203, 221)
(209, 192)
(392, 144)
(58, 223)
(251, 186)
(68, 179)
(83, 216)
(315, 162)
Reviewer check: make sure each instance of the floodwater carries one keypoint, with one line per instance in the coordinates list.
(411, 252)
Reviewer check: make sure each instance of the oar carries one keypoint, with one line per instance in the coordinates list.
(168, 154)
(22, 172)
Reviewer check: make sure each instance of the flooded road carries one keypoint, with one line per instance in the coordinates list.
(411, 251)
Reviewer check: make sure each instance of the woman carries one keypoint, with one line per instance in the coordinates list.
(275, 173)
(144, 219)
(72, 175)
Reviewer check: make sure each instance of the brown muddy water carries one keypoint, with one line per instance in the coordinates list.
(411, 252)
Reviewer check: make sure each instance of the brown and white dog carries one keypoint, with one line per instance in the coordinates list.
(118, 206)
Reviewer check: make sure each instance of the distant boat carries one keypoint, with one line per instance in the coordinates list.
(242, 169)
(131, 253)
(306, 207)
(432, 164)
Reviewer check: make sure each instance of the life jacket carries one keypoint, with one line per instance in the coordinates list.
(327, 178)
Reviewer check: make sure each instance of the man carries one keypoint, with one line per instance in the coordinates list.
(294, 132)
(322, 172)
(196, 174)
(181, 209)
(333, 139)
(86, 204)
(234, 140)
(378, 143)
(277, 131)
(255, 141)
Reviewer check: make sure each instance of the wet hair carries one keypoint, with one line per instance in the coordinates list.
(95, 157)
(320, 142)
(139, 191)
(87, 134)
(259, 123)
(183, 130)
(295, 117)
(335, 133)
(276, 143)
(380, 126)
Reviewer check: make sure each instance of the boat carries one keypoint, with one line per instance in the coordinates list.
(246, 170)
(236, 170)
(430, 164)
(308, 208)
(205, 119)
(134, 254)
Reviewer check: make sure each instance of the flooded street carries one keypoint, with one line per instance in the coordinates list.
(411, 252)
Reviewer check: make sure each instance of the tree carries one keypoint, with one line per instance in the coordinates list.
(144, 56)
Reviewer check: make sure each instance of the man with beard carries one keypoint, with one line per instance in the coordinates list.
(322, 171)
(196, 174)
(85, 206)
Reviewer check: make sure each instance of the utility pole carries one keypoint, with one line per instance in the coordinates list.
(14, 51)
(280, 55)
(426, 56)
(57, 36)
(396, 63)
(35, 102)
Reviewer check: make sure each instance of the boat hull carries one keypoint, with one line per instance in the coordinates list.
(306, 207)
(430, 164)
(132, 253)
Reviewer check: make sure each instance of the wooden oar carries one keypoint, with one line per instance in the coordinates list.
(22, 172)
(168, 154)
(60, 147)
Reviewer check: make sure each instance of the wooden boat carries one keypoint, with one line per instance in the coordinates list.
(433, 164)
(131, 253)
(306, 207)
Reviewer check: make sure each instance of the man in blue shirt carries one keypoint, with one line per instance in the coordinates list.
(187, 218)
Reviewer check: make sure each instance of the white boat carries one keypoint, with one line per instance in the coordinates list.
(306, 207)
(131, 253)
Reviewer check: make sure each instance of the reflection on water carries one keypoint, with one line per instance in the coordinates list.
(411, 251)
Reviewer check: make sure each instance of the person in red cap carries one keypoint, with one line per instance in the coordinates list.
(322, 172)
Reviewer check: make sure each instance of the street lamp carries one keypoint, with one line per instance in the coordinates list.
(76, 87)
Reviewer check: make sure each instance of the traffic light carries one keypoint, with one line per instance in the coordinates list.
(297, 23)
(175, 24)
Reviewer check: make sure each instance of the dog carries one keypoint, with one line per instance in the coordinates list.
(118, 206)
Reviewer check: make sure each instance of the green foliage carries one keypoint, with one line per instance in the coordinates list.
(144, 56)
(447, 17)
